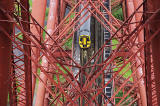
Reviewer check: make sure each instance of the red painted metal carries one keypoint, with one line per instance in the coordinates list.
(27, 48)
(62, 9)
(38, 12)
(56, 78)
(51, 24)
(130, 9)
(152, 55)
(5, 51)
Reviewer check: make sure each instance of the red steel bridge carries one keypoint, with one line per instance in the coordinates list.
(43, 64)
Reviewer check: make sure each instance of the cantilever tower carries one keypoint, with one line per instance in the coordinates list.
(43, 64)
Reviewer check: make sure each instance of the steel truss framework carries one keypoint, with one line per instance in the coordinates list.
(63, 86)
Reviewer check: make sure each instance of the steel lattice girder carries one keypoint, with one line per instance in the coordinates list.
(68, 91)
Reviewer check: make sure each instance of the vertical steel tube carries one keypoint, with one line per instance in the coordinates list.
(5, 51)
(51, 23)
(152, 6)
(130, 10)
(138, 17)
(38, 12)
(62, 9)
(27, 62)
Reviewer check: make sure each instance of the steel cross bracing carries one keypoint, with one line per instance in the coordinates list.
(64, 87)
